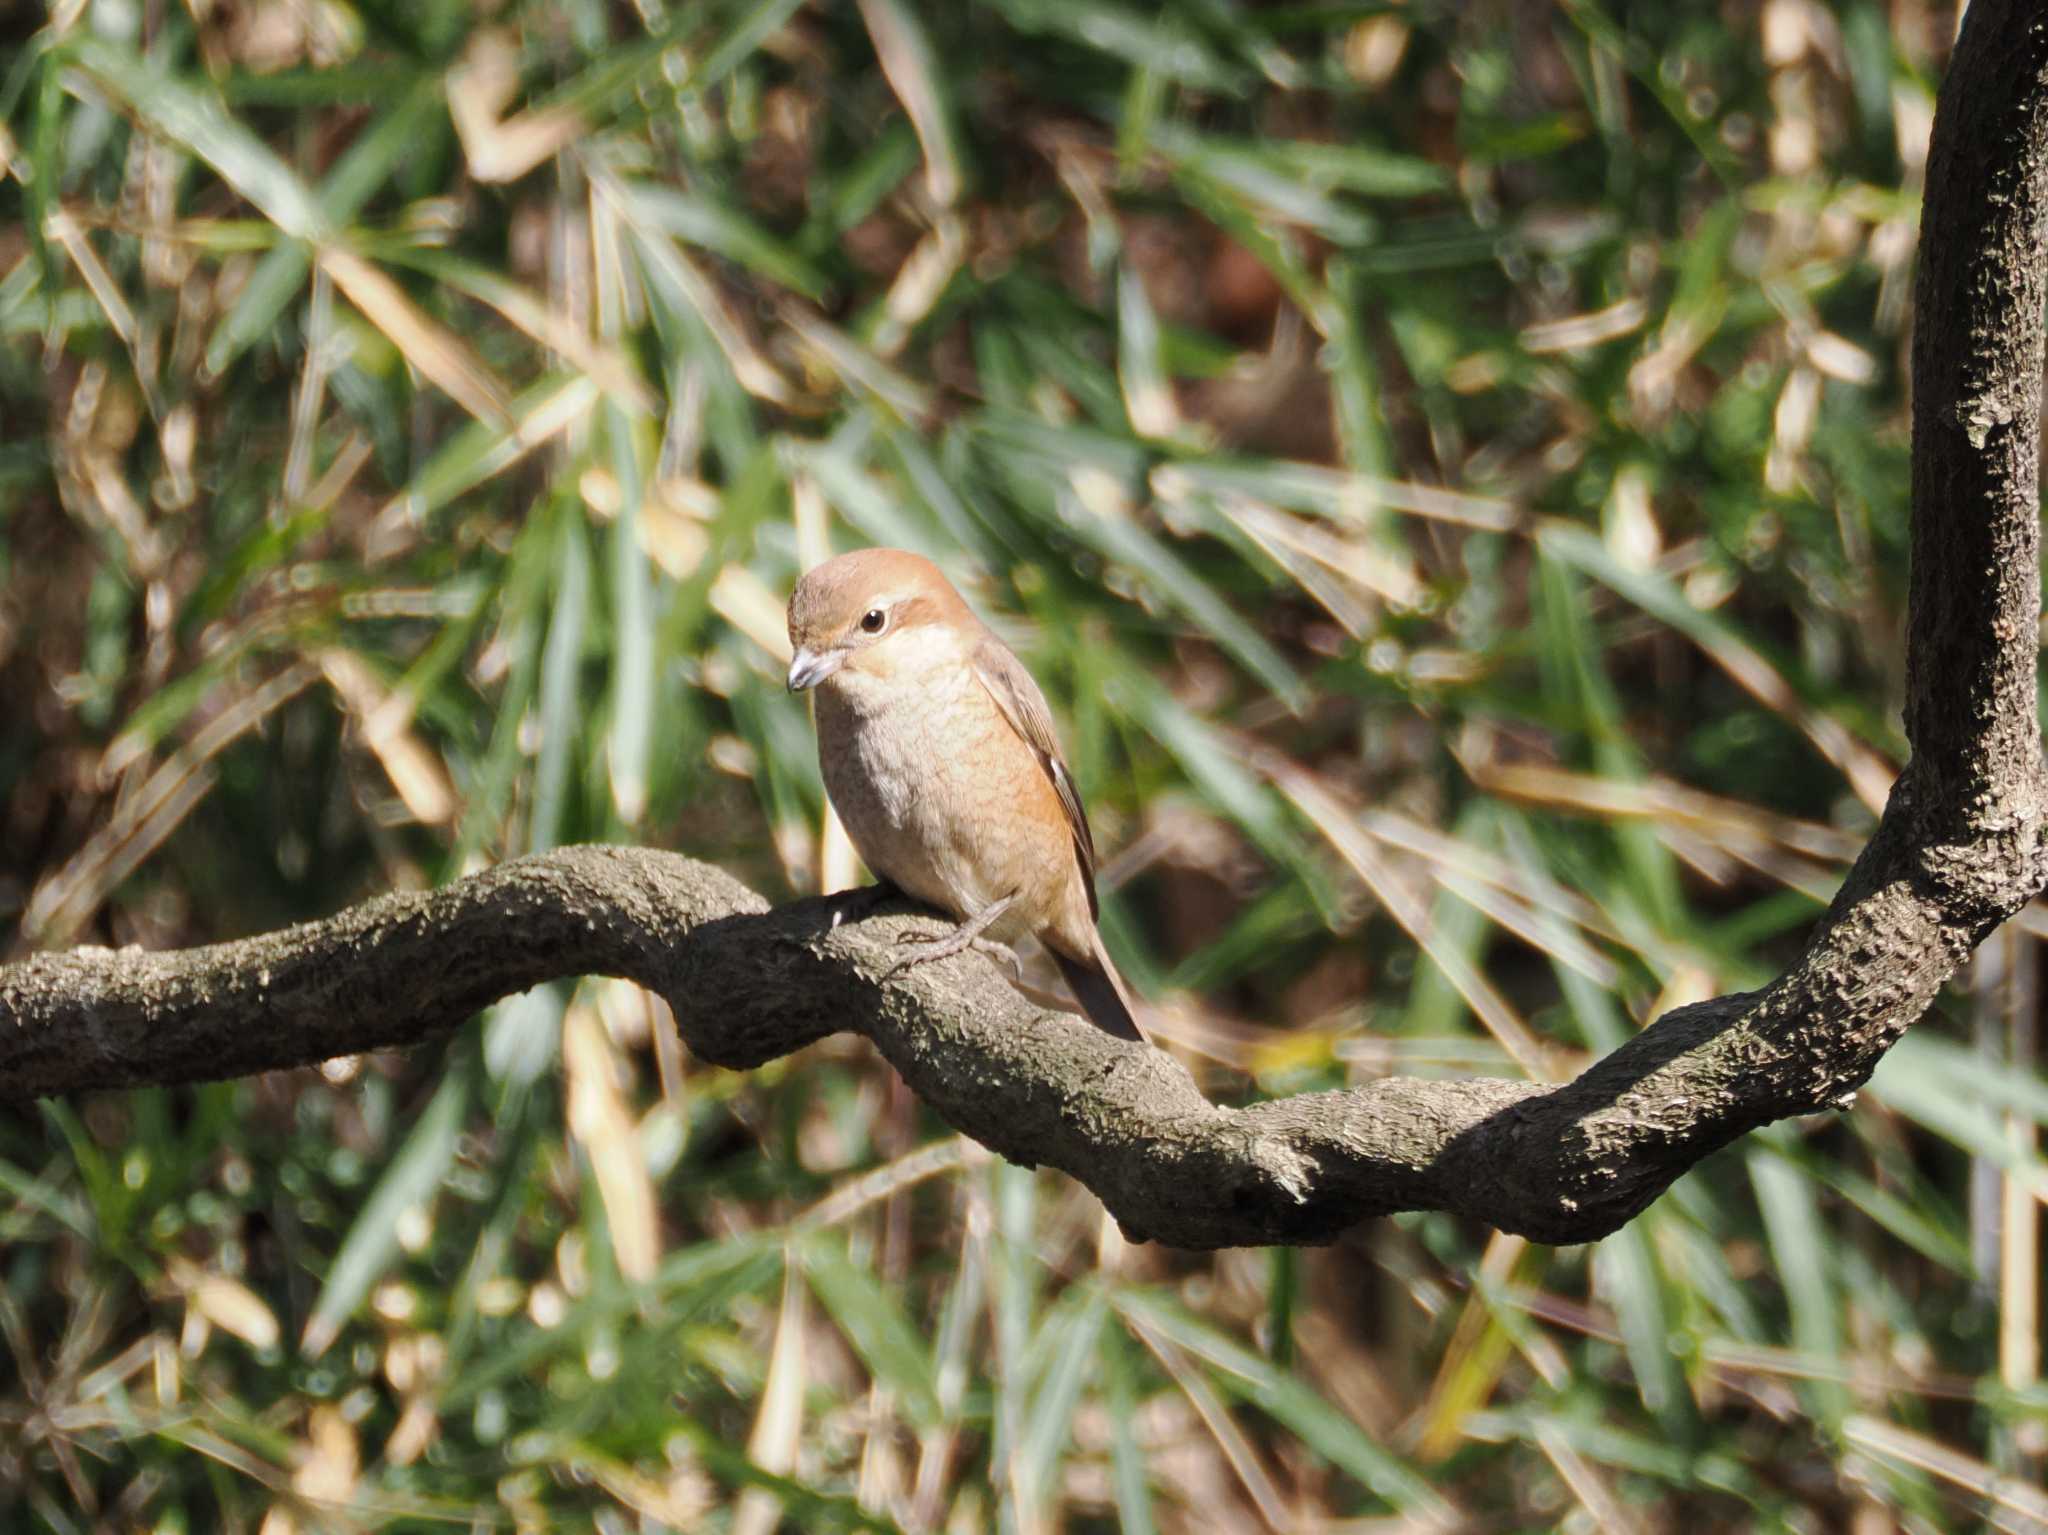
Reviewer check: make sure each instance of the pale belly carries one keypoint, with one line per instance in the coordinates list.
(916, 795)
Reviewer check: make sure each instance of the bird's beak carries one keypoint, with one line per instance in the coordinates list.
(809, 667)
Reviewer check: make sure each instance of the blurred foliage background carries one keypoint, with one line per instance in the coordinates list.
(1446, 463)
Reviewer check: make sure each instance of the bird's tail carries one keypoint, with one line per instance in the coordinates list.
(1100, 990)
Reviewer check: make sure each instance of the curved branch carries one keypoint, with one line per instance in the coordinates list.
(1960, 848)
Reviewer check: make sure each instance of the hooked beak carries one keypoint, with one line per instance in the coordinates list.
(809, 667)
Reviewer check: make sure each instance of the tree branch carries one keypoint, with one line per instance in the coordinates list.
(1960, 848)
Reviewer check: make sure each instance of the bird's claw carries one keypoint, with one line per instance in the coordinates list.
(945, 946)
(929, 946)
(1003, 954)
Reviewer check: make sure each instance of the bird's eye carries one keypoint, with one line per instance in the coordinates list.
(872, 620)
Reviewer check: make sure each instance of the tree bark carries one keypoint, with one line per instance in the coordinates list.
(1960, 848)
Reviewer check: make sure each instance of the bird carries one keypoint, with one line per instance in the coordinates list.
(939, 753)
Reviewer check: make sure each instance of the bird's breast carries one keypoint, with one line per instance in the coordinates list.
(939, 795)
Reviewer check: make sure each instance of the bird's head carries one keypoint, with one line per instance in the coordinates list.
(875, 611)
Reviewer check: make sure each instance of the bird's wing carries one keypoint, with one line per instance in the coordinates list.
(1021, 703)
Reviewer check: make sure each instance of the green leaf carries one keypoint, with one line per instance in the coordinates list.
(560, 700)
(1800, 1258)
(698, 1281)
(1631, 1280)
(875, 1323)
(1291, 1402)
(1127, 1456)
(1929, 1088)
(698, 220)
(413, 1177)
(1148, 41)
(629, 740)
(1153, 561)
(1067, 1345)
(1922, 1065)
(196, 118)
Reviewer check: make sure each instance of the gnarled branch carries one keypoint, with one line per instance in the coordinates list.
(1960, 848)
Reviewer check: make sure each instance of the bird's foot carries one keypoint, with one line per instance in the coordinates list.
(945, 945)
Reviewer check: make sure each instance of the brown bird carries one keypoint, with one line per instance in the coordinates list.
(940, 757)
